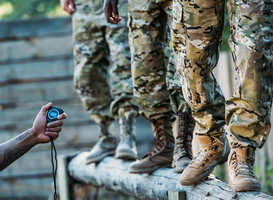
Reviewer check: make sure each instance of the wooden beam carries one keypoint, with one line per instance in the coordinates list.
(113, 174)
(14, 30)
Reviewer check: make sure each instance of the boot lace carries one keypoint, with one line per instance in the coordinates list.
(204, 153)
(126, 130)
(184, 138)
(160, 139)
(103, 130)
(243, 168)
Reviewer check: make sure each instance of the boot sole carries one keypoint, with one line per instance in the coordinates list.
(100, 157)
(148, 170)
(207, 173)
(245, 187)
(125, 155)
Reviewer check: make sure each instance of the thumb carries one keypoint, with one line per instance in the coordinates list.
(45, 108)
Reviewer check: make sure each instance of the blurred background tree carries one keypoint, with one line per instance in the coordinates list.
(26, 9)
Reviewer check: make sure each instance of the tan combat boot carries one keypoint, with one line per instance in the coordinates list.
(127, 146)
(162, 154)
(104, 147)
(240, 167)
(213, 151)
(183, 148)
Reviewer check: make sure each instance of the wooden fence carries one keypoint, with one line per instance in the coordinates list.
(36, 66)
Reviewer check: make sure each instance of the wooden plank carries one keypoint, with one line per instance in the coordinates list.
(38, 91)
(113, 174)
(35, 27)
(25, 187)
(36, 70)
(33, 48)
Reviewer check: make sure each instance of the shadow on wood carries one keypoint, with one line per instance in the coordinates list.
(113, 174)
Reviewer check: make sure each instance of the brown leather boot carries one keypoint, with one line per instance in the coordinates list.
(104, 147)
(213, 151)
(183, 148)
(240, 167)
(162, 154)
(127, 146)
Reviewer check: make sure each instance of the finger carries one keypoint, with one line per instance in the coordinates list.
(62, 116)
(67, 9)
(55, 124)
(45, 108)
(54, 135)
(54, 129)
(108, 13)
(72, 6)
(115, 11)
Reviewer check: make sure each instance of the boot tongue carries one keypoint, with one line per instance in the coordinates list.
(243, 153)
(205, 140)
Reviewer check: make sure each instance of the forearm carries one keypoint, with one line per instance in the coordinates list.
(15, 148)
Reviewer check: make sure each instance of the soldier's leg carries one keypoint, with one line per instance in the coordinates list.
(124, 106)
(184, 121)
(147, 26)
(248, 111)
(90, 75)
(197, 33)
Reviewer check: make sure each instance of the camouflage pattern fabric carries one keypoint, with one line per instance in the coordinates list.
(248, 112)
(152, 59)
(101, 49)
(196, 39)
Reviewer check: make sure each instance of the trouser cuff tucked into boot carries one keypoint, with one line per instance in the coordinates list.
(183, 147)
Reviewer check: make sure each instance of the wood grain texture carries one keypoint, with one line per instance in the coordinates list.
(37, 69)
(33, 48)
(113, 174)
(14, 30)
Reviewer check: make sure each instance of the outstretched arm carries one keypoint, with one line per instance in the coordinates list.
(68, 6)
(111, 11)
(39, 133)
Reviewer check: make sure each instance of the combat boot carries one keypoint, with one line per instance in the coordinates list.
(183, 147)
(240, 167)
(213, 151)
(127, 146)
(104, 147)
(162, 154)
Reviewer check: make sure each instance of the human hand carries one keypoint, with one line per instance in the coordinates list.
(43, 131)
(68, 6)
(111, 11)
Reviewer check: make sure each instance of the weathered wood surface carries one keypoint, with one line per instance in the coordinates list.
(113, 174)
(36, 66)
(12, 30)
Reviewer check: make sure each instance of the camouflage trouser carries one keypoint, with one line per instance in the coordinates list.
(248, 112)
(152, 58)
(197, 29)
(100, 48)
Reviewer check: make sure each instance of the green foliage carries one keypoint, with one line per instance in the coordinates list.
(226, 33)
(26, 9)
(267, 181)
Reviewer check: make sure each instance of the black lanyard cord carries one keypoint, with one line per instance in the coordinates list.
(54, 169)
